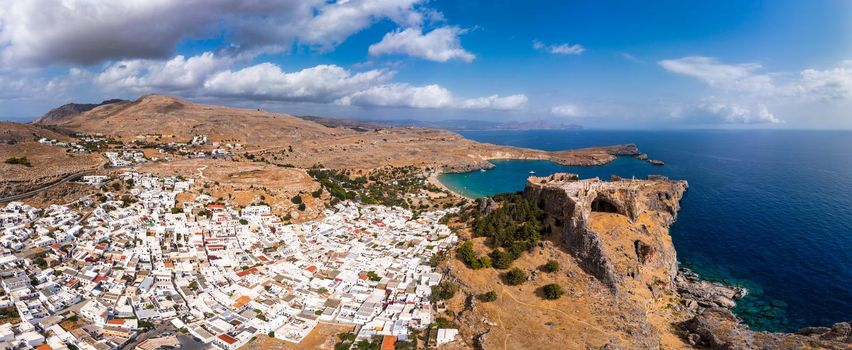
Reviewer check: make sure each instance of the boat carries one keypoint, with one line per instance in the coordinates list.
(482, 170)
(532, 172)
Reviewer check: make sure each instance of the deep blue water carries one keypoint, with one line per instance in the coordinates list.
(770, 210)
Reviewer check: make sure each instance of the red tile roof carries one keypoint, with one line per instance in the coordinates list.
(388, 342)
(247, 272)
(227, 339)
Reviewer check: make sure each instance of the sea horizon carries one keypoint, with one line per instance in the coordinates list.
(813, 296)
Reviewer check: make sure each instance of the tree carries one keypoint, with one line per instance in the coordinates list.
(243, 222)
(550, 266)
(177, 210)
(444, 290)
(488, 296)
(466, 254)
(271, 334)
(552, 291)
(297, 199)
(501, 259)
(373, 276)
(516, 277)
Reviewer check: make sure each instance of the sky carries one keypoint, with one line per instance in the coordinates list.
(602, 64)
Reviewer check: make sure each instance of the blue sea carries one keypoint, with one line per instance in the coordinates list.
(768, 210)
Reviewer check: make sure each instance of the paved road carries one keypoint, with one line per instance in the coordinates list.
(71, 177)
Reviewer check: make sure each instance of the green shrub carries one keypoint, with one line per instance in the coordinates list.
(516, 277)
(515, 226)
(552, 291)
(373, 276)
(501, 259)
(550, 266)
(465, 253)
(444, 290)
(488, 296)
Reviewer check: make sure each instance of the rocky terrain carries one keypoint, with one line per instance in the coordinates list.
(623, 287)
(284, 139)
(70, 109)
(618, 266)
(256, 136)
(47, 164)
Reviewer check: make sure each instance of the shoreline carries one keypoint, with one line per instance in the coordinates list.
(433, 179)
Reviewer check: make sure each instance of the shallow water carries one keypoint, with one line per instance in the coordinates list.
(770, 210)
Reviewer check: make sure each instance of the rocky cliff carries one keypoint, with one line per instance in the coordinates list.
(601, 250)
(618, 233)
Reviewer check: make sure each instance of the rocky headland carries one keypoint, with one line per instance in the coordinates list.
(620, 270)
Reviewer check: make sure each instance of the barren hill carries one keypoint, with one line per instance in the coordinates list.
(59, 113)
(283, 139)
(179, 119)
(11, 133)
(46, 164)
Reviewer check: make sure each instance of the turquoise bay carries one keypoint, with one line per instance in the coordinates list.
(770, 210)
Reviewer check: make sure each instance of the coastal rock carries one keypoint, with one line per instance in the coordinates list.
(487, 205)
(719, 328)
(570, 204)
(704, 293)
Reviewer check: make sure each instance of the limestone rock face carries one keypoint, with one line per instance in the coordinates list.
(639, 244)
(718, 328)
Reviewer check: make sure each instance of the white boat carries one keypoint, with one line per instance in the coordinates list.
(532, 172)
(482, 170)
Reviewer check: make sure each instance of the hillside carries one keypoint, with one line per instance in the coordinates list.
(45, 163)
(177, 120)
(617, 266)
(286, 140)
(70, 109)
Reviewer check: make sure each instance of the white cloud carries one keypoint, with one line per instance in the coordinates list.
(504, 103)
(266, 81)
(734, 77)
(42, 32)
(743, 93)
(401, 95)
(210, 75)
(829, 84)
(429, 96)
(439, 45)
(559, 49)
(566, 110)
(713, 111)
(178, 73)
(335, 22)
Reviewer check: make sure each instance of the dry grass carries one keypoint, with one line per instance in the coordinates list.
(323, 337)
(588, 315)
(244, 183)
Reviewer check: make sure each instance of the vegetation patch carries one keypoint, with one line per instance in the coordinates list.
(552, 291)
(515, 277)
(19, 161)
